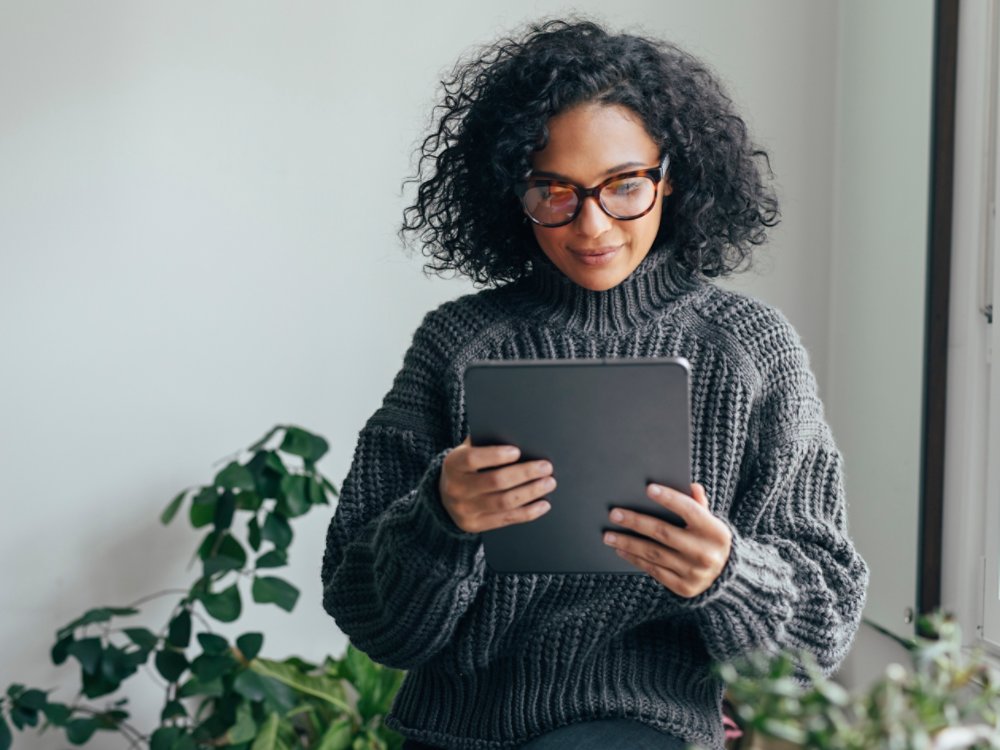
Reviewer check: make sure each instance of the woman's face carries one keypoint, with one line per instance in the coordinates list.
(587, 144)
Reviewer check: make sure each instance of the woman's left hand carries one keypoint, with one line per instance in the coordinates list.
(685, 560)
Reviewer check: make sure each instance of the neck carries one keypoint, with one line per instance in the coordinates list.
(548, 295)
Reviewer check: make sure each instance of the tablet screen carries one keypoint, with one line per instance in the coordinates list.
(609, 427)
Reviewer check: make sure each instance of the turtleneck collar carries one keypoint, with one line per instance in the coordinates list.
(548, 295)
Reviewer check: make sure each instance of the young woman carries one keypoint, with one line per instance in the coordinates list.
(594, 183)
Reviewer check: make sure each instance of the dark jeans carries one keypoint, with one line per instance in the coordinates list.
(603, 734)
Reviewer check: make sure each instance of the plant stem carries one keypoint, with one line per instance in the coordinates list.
(145, 599)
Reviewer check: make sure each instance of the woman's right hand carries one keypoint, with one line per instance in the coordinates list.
(480, 500)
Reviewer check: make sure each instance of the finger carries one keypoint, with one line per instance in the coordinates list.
(525, 514)
(698, 493)
(683, 505)
(488, 456)
(665, 576)
(660, 531)
(518, 494)
(650, 551)
(501, 479)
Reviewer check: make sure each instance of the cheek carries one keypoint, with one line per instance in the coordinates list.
(645, 229)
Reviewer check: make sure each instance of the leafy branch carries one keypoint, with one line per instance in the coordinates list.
(225, 695)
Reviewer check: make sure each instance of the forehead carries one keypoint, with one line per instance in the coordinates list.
(591, 140)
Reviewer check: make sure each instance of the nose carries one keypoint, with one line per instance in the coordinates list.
(592, 221)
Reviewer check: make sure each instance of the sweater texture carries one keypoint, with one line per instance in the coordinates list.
(494, 660)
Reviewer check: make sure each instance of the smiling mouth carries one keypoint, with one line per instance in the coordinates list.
(597, 256)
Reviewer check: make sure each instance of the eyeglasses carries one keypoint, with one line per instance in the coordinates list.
(625, 196)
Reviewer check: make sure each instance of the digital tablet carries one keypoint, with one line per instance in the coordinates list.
(609, 427)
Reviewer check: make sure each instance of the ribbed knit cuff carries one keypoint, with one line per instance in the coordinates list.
(749, 606)
(755, 577)
(440, 536)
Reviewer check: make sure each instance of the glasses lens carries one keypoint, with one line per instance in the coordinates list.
(628, 197)
(550, 203)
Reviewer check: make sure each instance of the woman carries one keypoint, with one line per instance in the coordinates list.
(596, 182)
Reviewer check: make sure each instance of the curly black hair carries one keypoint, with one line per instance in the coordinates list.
(493, 115)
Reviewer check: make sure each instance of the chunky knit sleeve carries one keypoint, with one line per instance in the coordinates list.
(794, 579)
(397, 572)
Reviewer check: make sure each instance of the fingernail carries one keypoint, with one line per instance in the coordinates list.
(610, 538)
(617, 515)
(656, 489)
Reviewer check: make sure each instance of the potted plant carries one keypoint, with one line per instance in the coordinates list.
(949, 698)
(221, 693)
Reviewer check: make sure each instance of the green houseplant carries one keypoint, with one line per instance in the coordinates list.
(222, 694)
(949, 698)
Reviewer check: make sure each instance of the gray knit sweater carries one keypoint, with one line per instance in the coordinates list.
(494, 659)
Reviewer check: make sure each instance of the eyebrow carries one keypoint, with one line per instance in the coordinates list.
(608, 173)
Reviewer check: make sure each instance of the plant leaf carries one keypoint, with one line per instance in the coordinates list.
(318, 686)
(329, 485)
(224, 606)
(164, 738)
(194, 686)
(299, 442)
(245, 728)
(234, 477)
(143, 638)
(275, 558)
(87, 652)
(257, 687)
(269, 589)
(277, 530)
(296, 503)
(172, 710)
(338, 736)
(260, 443)
(224, 510)
(78, 731)
(315, 492)
(267, 470)
(57, 713)
(95, 615)
(202, 511)
(229, 556)
(212, 643)
(249, 500)
(209, 666)
(250, 644)
(32, 699)
(253, 533)
(179, 630)
(116, 665)
(171, 510)
(170, 664)
(60, 651)
(267, 737)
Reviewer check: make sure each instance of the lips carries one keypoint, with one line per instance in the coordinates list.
(597, 256)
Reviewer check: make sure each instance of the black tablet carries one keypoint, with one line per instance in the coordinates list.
(609, 427)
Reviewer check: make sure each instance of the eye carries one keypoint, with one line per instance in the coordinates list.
(626, 187)
(555, 194)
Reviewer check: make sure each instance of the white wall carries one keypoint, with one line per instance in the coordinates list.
(965, 527)
(877, 279)
(197, 215)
